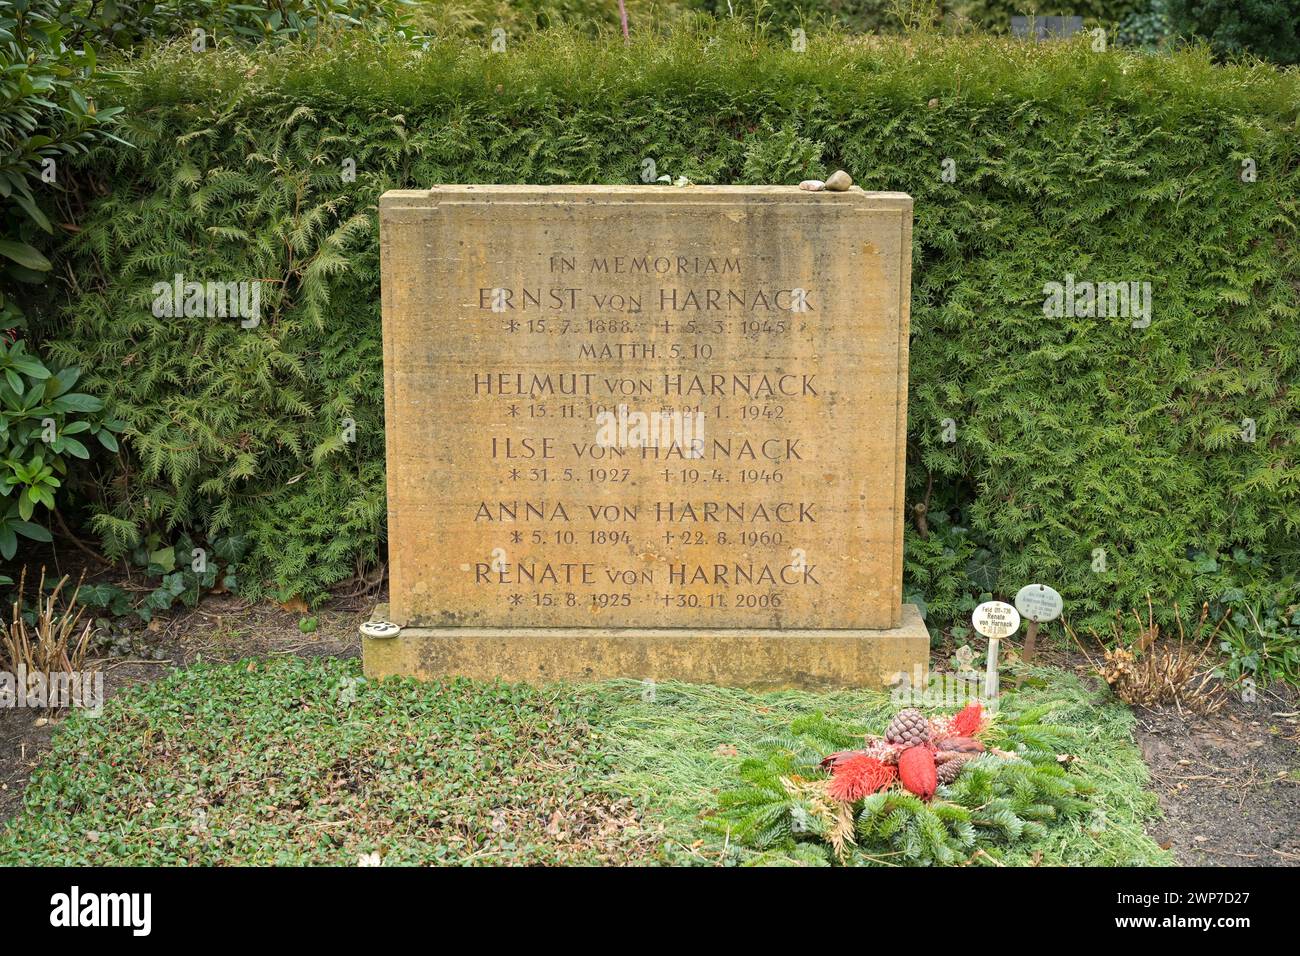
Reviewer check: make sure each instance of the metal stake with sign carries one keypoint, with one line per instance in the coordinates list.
(1037, 603)
(995, 620)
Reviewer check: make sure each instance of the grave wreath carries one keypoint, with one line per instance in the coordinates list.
(947, 789)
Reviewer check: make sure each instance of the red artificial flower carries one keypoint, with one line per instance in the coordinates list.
(854, 777)
(969, 721)
(829, 761)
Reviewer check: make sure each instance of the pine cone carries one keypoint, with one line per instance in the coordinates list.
(909, 728)
(948, 770)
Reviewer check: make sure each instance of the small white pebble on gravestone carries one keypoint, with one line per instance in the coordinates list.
(812, 185)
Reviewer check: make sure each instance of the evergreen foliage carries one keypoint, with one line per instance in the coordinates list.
(46, 119)
(993, 803)
(1269, 29)
(1075, 437)
(128, 23)
(859, 16)
(997, 14)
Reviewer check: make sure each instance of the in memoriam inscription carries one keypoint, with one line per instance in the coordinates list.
(636, 431)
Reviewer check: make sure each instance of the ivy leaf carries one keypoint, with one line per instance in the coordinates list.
(100, 595)
(164, 559)
(982, 569)
(229, 550)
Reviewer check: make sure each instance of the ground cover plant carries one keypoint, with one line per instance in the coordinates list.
(302, 761)
(1106, 458)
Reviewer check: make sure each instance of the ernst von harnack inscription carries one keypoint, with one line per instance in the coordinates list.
(646, 432)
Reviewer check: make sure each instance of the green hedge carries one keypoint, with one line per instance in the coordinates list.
(1269, 29)
(1072, 434)
(884, 16)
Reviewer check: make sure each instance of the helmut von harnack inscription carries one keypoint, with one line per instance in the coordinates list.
(645, 431)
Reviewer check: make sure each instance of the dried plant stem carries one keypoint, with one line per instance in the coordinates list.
(1145, 672)
(55, 642)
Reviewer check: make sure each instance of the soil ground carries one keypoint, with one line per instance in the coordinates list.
(1228, 784)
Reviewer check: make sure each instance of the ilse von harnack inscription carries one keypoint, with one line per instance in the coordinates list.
(642, 412)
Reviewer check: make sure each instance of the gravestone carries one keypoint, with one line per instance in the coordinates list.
(649, 432)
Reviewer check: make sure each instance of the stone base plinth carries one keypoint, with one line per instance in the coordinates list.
(738, 658)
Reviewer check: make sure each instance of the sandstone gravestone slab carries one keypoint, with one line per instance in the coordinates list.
(646, 431)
